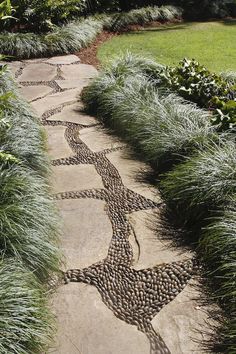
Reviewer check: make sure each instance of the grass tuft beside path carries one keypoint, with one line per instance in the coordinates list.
(211, 43)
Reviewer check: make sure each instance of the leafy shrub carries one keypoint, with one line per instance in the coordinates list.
(193, 9)
(225, 116)
(204, 9)
(117, 5)
(6, 10)
(41, 15)
(194, 82)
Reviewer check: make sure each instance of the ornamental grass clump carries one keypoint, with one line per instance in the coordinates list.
(61, 40)
(72, 37)
(143, 16)
(38, 37)
(29, 226)
(198, 183)
(28, 217)
(229, 76)
(114, 78)
(19, 124)
(22, 45)
(28, 220)
(25, 321)
(204, 182)
(162, 126)
(218, 247)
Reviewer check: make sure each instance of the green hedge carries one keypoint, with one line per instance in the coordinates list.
(198, 165)
(29, 226)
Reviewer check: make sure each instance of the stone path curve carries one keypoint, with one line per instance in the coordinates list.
(106, 240)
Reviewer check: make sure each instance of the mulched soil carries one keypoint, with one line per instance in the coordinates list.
(89, 55)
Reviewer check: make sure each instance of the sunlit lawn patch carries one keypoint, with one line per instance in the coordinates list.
(211, 43)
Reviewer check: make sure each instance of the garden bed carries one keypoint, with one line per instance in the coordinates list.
(29, 226)
(79, 33)
(194, 162)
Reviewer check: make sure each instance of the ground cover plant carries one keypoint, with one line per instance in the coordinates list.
(74, 35)
(196, 165)
(29, 226)
(195, 83)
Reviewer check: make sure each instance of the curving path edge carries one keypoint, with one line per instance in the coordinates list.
(107, 240)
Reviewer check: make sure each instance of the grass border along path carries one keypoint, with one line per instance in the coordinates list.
(198, 166)
(80, 33)
(28, 235)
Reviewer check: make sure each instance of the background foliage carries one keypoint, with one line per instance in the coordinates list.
(43, 14)
(193, 8)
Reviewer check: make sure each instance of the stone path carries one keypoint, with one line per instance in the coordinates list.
(132, 292)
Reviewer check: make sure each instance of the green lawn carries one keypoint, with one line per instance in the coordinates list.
(213, 44)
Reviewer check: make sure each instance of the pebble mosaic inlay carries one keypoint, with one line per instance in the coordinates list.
(134, 296)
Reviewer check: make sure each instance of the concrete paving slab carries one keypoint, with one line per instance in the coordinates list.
(55, 100)
(87, 231)
(79, 72)
(57, 145)
(35, 92)
(73, 114)
(97, 140)
(131, 171)
(75, 178)
(153, 251)
(87, 326)
(38, 72)
(79, 84)
(183, 324)
(63, 60)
